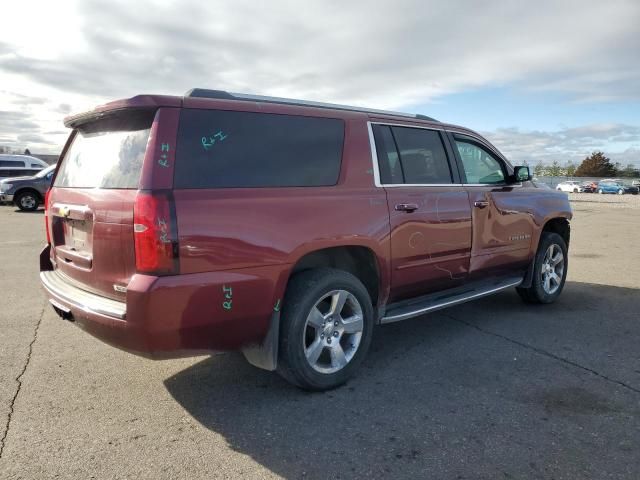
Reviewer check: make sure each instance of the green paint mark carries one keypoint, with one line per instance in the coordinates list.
(163, 162)
(228, 295)
(220, 136)
(208, 142)
(276, 308)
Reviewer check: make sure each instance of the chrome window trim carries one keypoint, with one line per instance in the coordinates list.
(508, 185)
(394, 185)
(376, 167)
(374, 156)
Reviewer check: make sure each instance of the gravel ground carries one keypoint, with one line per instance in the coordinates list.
(487, 390)
(622, 201)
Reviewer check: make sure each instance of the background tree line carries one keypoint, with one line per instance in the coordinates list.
(595, 165)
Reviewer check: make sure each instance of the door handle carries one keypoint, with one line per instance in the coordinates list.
(406, 207)
(481, 204)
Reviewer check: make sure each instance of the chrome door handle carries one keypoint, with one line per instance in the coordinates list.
(406, 207)
(481, 204)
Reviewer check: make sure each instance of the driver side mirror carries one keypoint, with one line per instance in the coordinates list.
(521, 174)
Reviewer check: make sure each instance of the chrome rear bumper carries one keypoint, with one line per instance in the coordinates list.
(74, 297)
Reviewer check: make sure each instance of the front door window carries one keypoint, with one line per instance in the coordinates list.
(480, 167)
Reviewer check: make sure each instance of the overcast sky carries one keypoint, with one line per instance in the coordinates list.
(544, 80)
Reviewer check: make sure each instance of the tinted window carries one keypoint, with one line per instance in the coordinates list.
(11, 163)
(107, 153)
(218, 149)
(479, 165)
(422, 155)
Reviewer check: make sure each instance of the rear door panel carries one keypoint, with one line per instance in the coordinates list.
(429, 246)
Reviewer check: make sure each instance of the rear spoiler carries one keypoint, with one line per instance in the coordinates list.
(137, 102)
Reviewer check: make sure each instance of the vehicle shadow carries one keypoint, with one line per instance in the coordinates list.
(493, 388)
(38, 211)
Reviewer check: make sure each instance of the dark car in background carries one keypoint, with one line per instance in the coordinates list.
(27, 192)
(589, 187)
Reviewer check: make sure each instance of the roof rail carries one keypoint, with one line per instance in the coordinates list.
(223, 95)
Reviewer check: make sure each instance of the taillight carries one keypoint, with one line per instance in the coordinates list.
(46, 215)
(155, 232)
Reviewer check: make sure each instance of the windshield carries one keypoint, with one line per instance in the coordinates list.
(46, 171)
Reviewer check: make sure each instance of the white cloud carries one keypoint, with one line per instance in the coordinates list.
(569, 144)
(379, 54)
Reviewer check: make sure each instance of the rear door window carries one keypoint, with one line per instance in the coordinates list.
(414, 156)
(107, 153)
(227, 149)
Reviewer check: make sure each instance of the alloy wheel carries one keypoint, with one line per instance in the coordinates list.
(552, 269)
(333, 331)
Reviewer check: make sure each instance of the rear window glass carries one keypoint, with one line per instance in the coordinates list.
(107, 153)
(224, 149)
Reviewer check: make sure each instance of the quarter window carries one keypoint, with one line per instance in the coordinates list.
(480, 167)
(229, 149)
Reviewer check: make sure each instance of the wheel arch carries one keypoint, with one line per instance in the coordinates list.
(559, 225)
(359, 260)
(22, 190)
(556, 224)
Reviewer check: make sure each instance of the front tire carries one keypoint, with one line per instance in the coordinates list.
(27, 201)
(621, 192)
(325, 330)
(549, 272)
(600, 191)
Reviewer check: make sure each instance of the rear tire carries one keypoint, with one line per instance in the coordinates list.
(621, 192)
(27, 201)
(550, 270)
(600, 191)
(325, 330)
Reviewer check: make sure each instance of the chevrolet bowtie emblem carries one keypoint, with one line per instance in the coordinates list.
(65, 211)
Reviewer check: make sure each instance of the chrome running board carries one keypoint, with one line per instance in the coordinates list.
(436, 301)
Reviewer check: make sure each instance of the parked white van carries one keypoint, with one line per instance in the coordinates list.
(20, 165)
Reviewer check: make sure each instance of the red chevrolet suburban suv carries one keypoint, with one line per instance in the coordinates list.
(285, 229)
